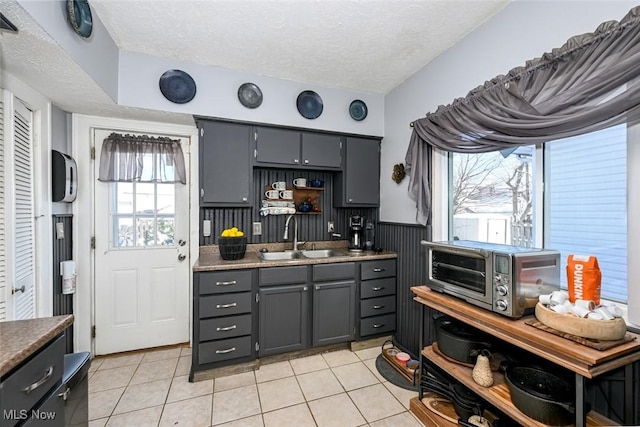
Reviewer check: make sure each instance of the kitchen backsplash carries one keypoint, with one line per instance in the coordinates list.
(311, 227)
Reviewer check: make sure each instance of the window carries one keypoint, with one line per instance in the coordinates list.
(143, 214)
(493, 198)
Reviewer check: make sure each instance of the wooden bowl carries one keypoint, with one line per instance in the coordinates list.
(608, 330)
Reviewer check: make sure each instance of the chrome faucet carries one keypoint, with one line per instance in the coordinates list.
(295, 232)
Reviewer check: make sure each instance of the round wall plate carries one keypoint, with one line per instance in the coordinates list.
(79, 17)
(309, 104)
(250, 95)
(177, 86)
(358, 110)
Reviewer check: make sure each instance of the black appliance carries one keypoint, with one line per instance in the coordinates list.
(369, 236)
(356, 231)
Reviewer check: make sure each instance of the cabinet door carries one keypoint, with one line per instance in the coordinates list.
(225, 164)
(283, 319)
(359, 182)
(277, 146)
(334, 312)
(321, 150)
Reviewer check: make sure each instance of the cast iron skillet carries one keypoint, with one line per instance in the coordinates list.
(541, 395)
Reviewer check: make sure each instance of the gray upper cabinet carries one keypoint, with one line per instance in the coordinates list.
(321, 150)
(285, 147)
(225, 164)
(358, 185)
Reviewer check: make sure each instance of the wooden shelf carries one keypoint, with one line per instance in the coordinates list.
(498, 394)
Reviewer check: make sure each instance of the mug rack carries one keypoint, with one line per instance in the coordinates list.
(302, 195)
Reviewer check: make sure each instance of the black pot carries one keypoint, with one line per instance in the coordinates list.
(541, 395)
(465, 402)
(459, 341)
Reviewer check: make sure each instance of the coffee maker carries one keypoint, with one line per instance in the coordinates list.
(356, 243)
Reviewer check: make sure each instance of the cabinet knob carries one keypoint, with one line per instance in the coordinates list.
(350, 200)
(244, 199)
(296, 161)
(306, 162)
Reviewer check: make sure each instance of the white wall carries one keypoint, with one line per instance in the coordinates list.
(524, 30)
(217, 96)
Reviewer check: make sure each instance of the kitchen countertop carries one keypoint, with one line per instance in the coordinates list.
(19, 339)
(210, 259)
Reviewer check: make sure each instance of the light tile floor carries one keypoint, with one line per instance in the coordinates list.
(335, 389)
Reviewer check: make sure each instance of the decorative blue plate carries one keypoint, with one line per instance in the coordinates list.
(177, 86)
(250, 95)
(79, 17)
(309, 104)
(358, 110)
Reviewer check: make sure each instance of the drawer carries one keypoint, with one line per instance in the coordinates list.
(225, 327)
(225, 304)
(337, 271)
(215, 282)
(41, 374)
(378, 324)
(378, 287)
(377, 306)
(377, 269)
(217, 351)
(52, 412)
(283, 275)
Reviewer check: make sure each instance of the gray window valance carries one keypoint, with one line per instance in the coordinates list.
(141, 158)
(588, 84)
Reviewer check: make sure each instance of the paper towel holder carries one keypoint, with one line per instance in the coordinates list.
(64, 177)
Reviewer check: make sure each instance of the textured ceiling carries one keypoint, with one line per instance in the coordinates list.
(363, 45)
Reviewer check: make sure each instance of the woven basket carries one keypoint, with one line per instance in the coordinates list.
(232, 248)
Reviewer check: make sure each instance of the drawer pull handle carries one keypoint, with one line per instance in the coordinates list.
(229, 283)
(226, 328)
(229, 350)
(377, 288)
(379, 270)
(378, 307)
(380, 325)
(41, 381)
(233, 304)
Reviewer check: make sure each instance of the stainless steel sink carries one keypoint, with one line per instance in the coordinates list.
(279, 256)
(322, 253)
(291, 255)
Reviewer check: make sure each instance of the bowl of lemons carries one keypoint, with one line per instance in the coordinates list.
(232, 244)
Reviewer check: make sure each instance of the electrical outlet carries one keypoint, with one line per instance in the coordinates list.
(59, 230)
(206, 228)
(330, 227)
(257, 228)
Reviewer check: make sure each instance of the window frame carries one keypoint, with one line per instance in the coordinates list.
(441, 200)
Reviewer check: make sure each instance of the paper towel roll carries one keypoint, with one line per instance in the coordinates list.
(67, 269)
(68, 273)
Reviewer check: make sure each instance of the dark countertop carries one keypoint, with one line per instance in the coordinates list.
(210, 259)
(19, 339)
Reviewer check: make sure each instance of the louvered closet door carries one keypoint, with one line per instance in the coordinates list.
(23, 249)
(3, 281)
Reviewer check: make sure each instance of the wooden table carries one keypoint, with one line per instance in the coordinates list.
(584, 361)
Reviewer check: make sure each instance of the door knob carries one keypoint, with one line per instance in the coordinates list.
(181, 242)
(181, 257)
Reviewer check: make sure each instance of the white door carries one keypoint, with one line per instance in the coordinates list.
(141, 262)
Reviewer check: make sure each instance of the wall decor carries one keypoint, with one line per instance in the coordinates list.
(358, 110)
(398, 173)
(309, 104)
(250, 95)
(177, 86)
(79, 17)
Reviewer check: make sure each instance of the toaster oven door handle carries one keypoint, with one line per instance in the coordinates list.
(465, 270)
(455, 249)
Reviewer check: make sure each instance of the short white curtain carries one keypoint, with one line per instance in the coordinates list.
(141, 158)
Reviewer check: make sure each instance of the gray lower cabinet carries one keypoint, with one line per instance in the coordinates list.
(223, 319)
(377, 297)
(334, 303)
(226, 177)
(284, 312)
(28, 393)
(358, 184)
